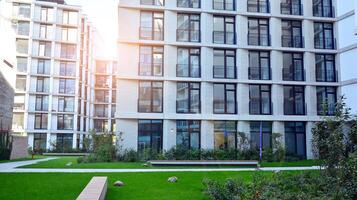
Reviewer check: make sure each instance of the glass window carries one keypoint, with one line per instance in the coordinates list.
(65, 122)
(323, 8)
(68, 51)
(39, 142)
(64, 142)
(224, 5)
(45, 31)
(260, 100)
(100, 110)
(23, 28)
(188, 98)
(151, 61)
(152, 25)
(258, 32)
(21, 64)
(324, 37)
(188, 28)
(46, 14)
(291, 34)
(22, 46)
(295, 139)
(65, 104)
(326, 100)
(67, 86)
(22, 10)
(18, 121)
(259, 65)
(41, 121)
(68, 69)
(70, 17)
(21, 83)
(44, 49)
(224, 63)
(41, 103)
(325, 68)
(294, 100)
(189, 3)
(291, 7)
(261, 6)
(224, 99)
(260, 133)
(225, 134)
(150, 96)
(101, 125)
(224, 30)
(293, 67)
(188, 62)
(188, 134)
(153, 2)
(150, 135)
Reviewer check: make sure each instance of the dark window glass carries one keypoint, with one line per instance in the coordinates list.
(64, 122)
(67, 86)
(41, 121)
(188, 134)
(260, 100)
(189, 3)
(295, 139)
(324, 37)
(261, 6)
(224, 63)
(65, 104)
(39, 142)
(291, 7)
(68, 51)
(326, 100)
(151, 61)
(261, 130)
(224, 30)
(188, 28)
(188, 62)
(188, 98)
(323, 8)
(152, 25)
(224, 99)
(292, 34)
(68, 69)
(150, 96)
(258, 32)
(100, 125)
(259, 65)
(150, 135)
(225, 134)
(224, 5)
(64, 142)
(293, 67)
(294, 100)
(325, 68)
(41, 103)
(153, 2)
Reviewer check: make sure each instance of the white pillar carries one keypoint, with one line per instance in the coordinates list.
(207, 134)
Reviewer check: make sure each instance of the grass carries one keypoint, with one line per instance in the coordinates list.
(138, 186)
(62, 163)
(22, 159)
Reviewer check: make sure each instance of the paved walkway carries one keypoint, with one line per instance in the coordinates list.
(11, 167)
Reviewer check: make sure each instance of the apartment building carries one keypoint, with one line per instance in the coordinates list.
(347, 39)
(52, 82)
(196, 73)
(7, 68)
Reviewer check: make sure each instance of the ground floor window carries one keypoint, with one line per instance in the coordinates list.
(295, 138)
(64, 142)
(150, 135)
(39, 142)
(188, 134)
(225, 134)
(265, 128)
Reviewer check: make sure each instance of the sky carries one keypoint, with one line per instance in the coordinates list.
(103, 15)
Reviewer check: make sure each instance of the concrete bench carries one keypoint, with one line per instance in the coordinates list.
(253, 163)
(95, 190)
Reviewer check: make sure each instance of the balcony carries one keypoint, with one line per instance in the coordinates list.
(258, 39)
(258, 6)
(152, 2)
(289, 74)
(223, 5)
(291, 9)
(184, 35)
(255, 108)
(149, 33)
(292, 41)
(224, 37)
(323, 11)
(226, 72)
(188, 70)
(259, 73)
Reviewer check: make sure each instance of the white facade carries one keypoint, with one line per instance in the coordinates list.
(129, 76)
(50, 103)
(347, 37)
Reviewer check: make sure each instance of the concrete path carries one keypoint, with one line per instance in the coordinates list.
(12, 168)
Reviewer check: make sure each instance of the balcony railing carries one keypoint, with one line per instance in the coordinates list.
(180, 108)
(188, 70)
(325, 43)
(259, 73)
(189, 3)
(292, 41)
(291, 9)
(296, 112)
(258, 6)
(290, 75)
(152, 2)
(149, 33)
(184, 35)
(227, 72)
(222, 5)
(150, 69)
(323, 11)
(325, 78)
(258, 39)
(224, 37)
(225, 109)
(261, 111)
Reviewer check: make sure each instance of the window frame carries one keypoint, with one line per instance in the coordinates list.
(190, 131)
(261, 57)
(191, 90)
(190, 28)
(190, 66)
(260, 99)
(295, 92)
(225, 63)
(295, 56)
(152, 64)
(151, 96)
(225, 98)
(259, 35)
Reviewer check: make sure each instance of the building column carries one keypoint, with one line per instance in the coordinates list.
(74, 141)
(169, 134)
(48, 140)
(207, 134)
(309, 148)
(278, 127)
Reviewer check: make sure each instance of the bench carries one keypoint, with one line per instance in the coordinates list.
(95, 190)
(252, 163)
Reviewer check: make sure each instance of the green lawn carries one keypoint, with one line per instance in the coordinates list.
(153, 186)
(22, 159)
(62, 161)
